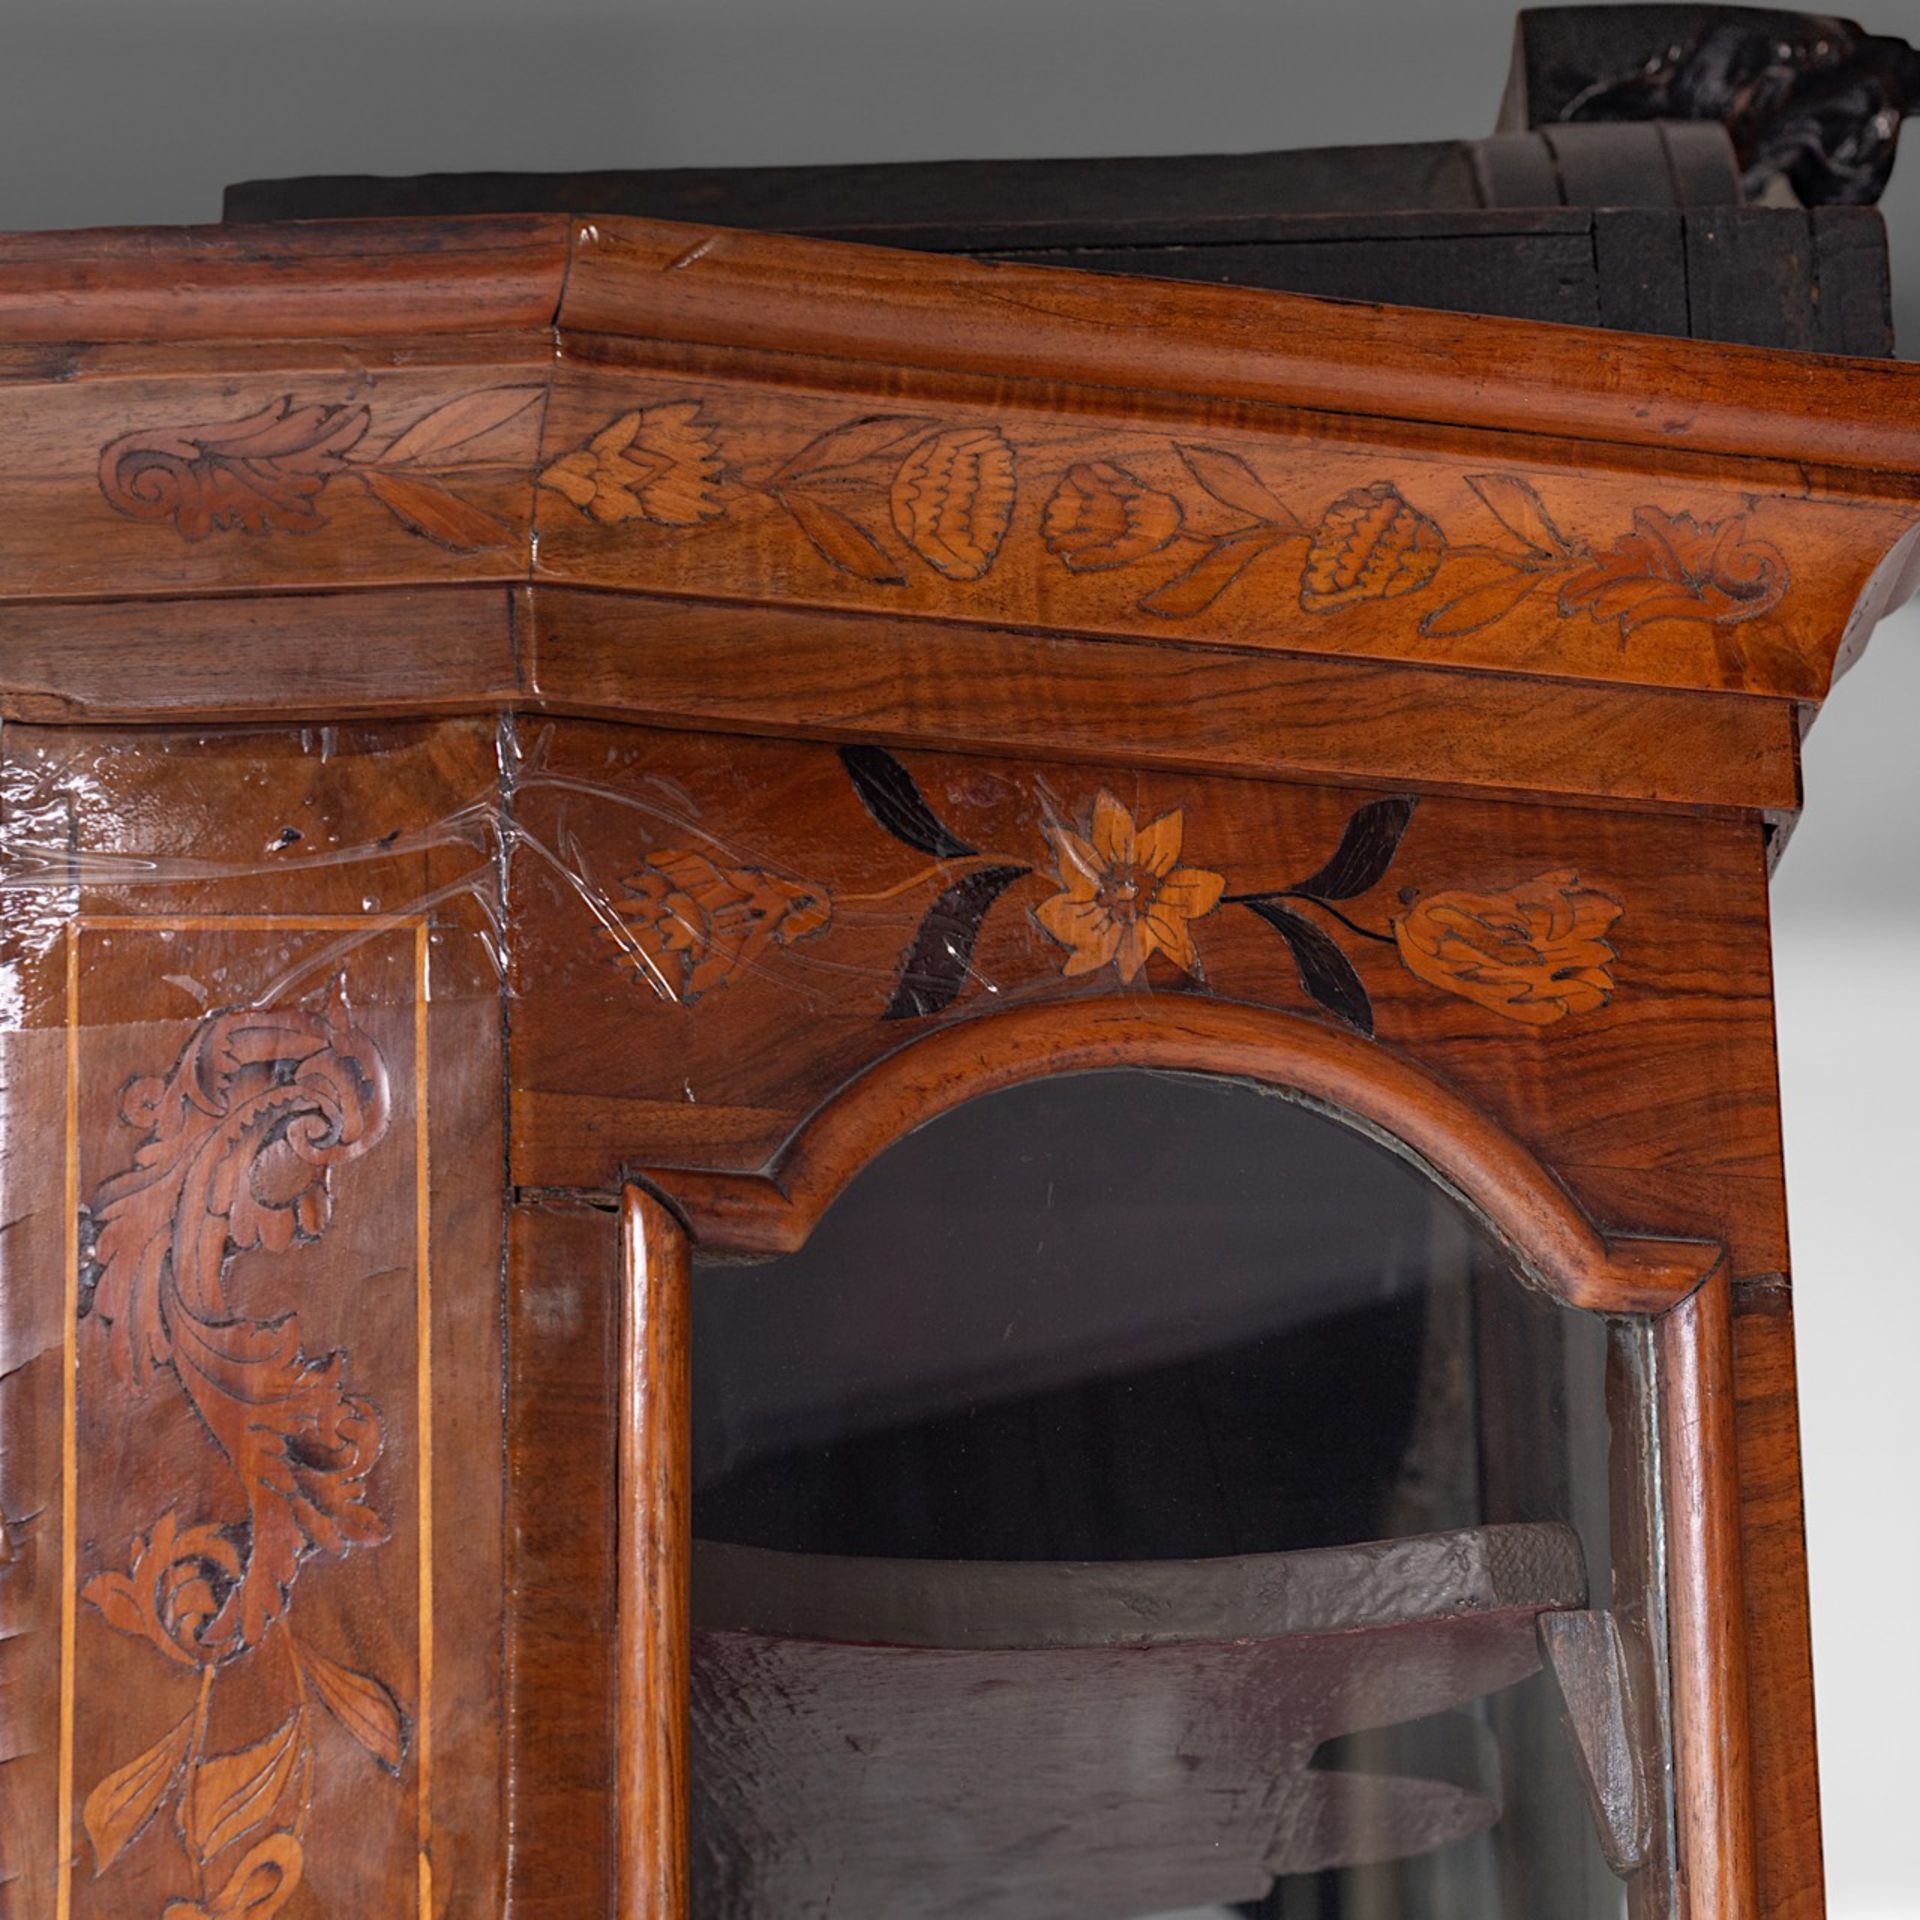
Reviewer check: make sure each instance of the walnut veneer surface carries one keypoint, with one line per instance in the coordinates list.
(502, 710)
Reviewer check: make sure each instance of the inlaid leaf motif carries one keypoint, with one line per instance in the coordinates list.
(451, 426)
(263, 473)
(848, 446)
(122, 1804)
(890, 795)
(174, 1590)
(687, 923)
(1370, 545)
(241, 1140)
(1234, 484)
(425, 507)
(1519, 509)
(1481, 606)
(1366, 850)
(1325, 972)
(842, 541)
(232, 1793)
(362, 1704)
(1195, 590)
(952, 499)
(936, 965)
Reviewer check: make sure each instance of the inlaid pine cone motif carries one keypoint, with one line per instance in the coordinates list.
(1370, 546)
(952, 500)
(1100, 517)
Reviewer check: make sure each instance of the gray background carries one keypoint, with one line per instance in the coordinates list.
(118, 112)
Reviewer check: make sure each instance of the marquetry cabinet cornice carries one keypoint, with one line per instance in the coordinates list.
(538, 747)
(932, 475)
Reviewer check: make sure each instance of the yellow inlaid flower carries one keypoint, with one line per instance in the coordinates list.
(1124, 896)
(656, 464)
(1534, 954)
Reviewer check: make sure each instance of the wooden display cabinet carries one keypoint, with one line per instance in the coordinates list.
(538, 751)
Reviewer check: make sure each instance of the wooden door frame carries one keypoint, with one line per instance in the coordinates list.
(1682, 1286)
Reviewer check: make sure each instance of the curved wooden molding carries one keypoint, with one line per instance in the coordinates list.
(725, 419)
(1357, 1081)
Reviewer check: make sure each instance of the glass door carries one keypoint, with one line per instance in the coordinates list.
(1147, 1496)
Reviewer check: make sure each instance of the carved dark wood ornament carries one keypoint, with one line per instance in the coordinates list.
(1807, 98)
(268, 472)
(239, 1143)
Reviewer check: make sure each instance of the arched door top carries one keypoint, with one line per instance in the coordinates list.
(1356, 1081)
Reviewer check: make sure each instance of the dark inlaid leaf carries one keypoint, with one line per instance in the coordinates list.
(1325, 972)
(1365, 851)
(936, 965)
(896, 803)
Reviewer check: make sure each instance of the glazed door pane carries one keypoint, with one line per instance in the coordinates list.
(1143, 1495)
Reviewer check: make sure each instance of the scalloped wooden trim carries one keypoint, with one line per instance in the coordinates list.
(1358, 1081)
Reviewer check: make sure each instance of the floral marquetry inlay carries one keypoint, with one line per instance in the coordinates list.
(239, 1143)
(1123, 896)
(879, 494)
(1108, 890)
(684, 923)
(271, 471)
(1535, 954)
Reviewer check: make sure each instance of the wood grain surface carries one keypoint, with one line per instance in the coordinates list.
(653, 687)
(655, 1574)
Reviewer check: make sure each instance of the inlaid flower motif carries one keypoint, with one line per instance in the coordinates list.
(1534, 954)
(177, 1584)
(1100, 517)
(952, 499)
(692, 924)
(657, 464)
(1370, 545)
(1124, 896)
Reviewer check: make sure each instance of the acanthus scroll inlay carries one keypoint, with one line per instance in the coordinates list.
(270, 471)
(240, 1139)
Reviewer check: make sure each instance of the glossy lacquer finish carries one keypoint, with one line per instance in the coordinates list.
(536, 752)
